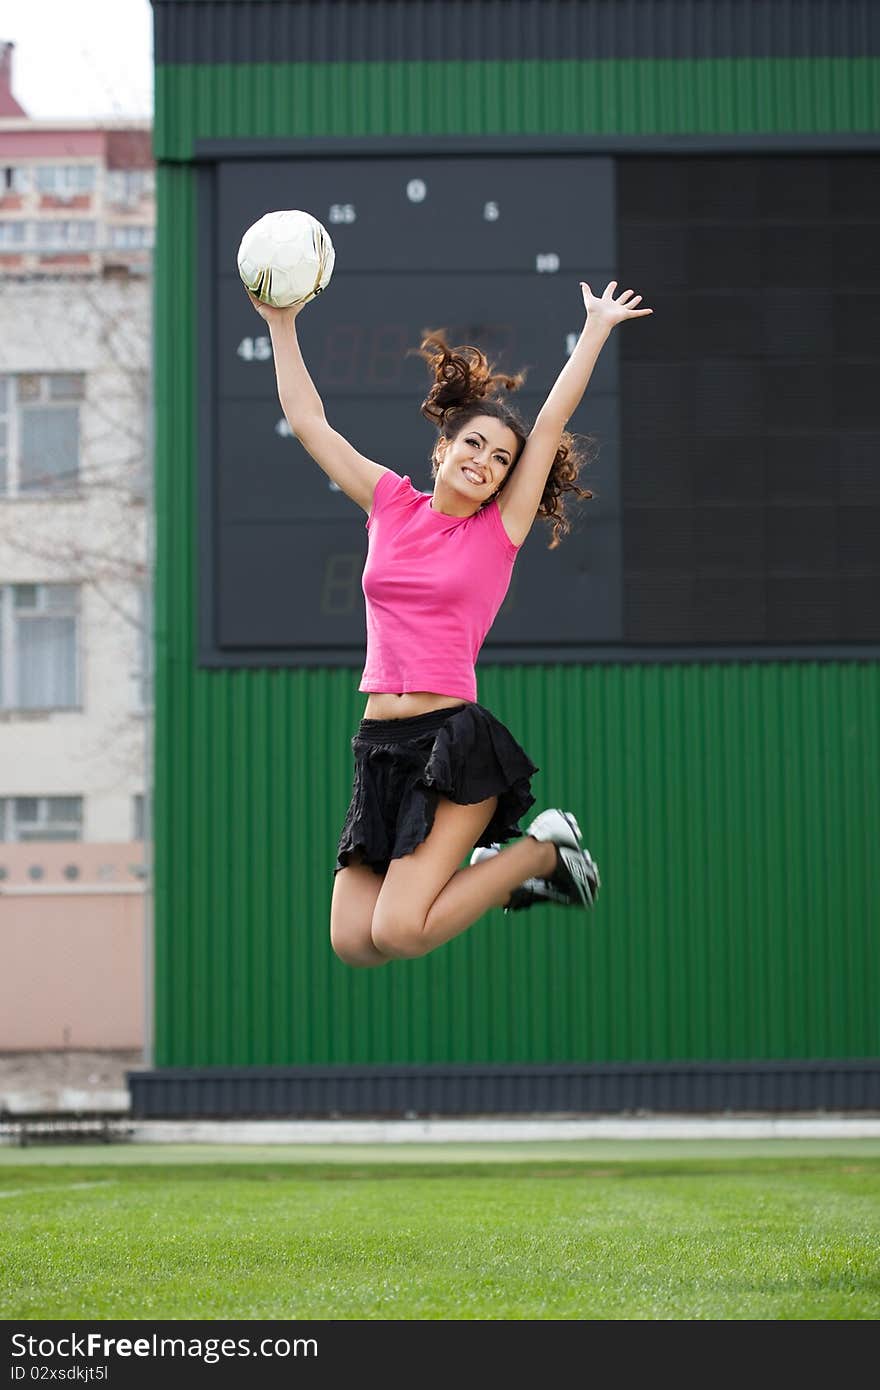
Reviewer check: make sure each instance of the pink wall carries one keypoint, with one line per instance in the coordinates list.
(71, 950)
(41, 143)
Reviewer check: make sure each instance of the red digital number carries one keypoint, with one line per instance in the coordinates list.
(342, 355)
(387, 354)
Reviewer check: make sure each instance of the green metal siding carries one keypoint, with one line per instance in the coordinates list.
(733, 809)
(614, 97)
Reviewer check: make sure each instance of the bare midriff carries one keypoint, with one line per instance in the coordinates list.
(387, 706)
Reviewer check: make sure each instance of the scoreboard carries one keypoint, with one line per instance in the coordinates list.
(491, 250)
(736, 488)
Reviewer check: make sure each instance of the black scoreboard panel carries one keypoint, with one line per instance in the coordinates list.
(750, 414)
(737, 486)
(491, 251)
(356, 337)
(288, 537)
(397, 216)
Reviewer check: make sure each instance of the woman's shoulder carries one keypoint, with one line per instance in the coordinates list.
(494, 524)
(391, 489)
(393, 484)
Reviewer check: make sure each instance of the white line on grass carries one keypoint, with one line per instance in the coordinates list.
(56, 1187)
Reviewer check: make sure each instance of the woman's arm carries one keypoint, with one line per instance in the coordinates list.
(296, 390)
(304, 410)
(602, 315)
(569, 387)
(521, 497)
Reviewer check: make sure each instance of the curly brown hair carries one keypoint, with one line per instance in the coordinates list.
(465, 386)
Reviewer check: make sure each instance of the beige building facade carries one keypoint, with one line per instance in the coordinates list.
(77, 215)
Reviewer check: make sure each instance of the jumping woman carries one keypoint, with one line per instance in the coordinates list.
(436, 775)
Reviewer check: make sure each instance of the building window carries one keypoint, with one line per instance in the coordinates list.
(38, 646)
(66, 180)
(25, 818)
(53, 234)
(13, 235)
(128, 186)
(39, 433)
(133, 238)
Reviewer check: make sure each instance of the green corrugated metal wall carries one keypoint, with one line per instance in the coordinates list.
(733, 809)
(613, 97)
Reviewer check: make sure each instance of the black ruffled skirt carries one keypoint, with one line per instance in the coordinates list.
(402, 767)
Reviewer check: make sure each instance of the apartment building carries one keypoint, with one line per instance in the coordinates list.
(77, 216)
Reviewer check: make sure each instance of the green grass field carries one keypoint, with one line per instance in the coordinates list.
(631, 1230)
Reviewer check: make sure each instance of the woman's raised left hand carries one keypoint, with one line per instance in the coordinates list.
(609, 310)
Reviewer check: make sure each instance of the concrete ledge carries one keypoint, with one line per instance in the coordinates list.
(66, 1098)
(492, 1130)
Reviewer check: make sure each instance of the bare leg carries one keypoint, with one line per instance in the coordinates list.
(427, 899)
(466, 896)
(355, 890)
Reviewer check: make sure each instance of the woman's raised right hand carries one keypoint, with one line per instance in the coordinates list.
(271, 315)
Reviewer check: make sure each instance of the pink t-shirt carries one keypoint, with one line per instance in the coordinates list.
(433, 585)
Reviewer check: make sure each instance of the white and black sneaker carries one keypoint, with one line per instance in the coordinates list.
(558, 827)
(577, 873)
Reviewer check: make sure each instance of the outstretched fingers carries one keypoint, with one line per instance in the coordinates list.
(628, 300)
(610, 310)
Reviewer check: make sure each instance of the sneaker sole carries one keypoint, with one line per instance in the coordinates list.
(539, 892)
(573, 874)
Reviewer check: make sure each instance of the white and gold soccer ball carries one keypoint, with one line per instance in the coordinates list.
(286, 258)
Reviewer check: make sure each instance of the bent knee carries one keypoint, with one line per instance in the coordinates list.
(397, 936)
(353, 945)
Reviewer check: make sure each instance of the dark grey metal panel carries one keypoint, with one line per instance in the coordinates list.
(750, 511)
(420, 252)
(596, 655)
(707, 240)
(318, 31)
(614, 1088)
(332, 147)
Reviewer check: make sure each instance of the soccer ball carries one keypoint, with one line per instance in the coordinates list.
(286, 258)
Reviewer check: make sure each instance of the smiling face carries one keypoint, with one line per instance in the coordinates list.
(475, 463)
